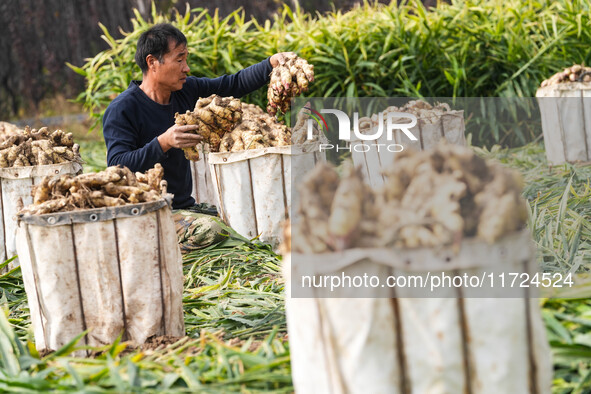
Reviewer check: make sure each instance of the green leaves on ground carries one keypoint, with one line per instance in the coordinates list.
(235, 319)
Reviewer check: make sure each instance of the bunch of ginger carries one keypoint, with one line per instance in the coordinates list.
(112, 187)
(31, 147)
(429, 199)
(575, 73)
(257, 130)
(286, 81)
(215, 116)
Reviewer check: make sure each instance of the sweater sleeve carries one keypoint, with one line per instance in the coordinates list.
(238, 84)
(122, 140)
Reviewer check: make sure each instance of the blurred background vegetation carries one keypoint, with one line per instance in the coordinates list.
(40, 36)
(469, 48)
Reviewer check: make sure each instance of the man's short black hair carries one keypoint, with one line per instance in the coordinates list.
(155, 41)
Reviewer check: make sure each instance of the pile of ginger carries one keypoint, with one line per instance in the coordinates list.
(429, 199)
(112, 187)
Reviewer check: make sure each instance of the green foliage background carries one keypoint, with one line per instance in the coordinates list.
(471, 48)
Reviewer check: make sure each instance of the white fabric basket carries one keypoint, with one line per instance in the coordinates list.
(254, 187)
(89, 270)
(402, 345)
(203, 189)
(16, 184)
(566, 121)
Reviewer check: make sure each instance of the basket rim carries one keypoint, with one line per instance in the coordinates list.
(233, 157)
(564, 86)
(94, 214)
(472, 253)
(70, 167)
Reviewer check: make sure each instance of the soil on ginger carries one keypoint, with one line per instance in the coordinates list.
(159, 342)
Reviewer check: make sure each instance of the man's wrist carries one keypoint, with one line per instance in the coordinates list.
(163, 143)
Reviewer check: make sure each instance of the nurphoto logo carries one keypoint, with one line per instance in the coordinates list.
(393, 121)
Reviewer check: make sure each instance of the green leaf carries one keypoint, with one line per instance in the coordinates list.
(77, 70)
(557, 328)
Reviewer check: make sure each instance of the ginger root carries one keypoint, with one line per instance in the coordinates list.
(31, 147)
(114, 186)
(261, 130)
(215, 117)
(429, 199)
(288, 80)
(575, 73)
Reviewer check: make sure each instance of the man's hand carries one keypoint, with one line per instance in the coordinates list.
(280, 58)
(177, 137)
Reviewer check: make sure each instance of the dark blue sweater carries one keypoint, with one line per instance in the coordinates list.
(133, 122)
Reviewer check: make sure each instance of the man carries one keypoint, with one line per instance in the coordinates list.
(139, 128)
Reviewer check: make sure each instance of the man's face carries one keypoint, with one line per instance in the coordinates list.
(172, 72)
